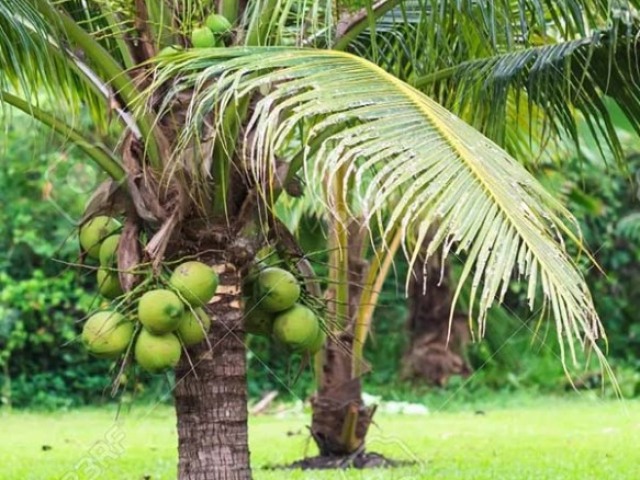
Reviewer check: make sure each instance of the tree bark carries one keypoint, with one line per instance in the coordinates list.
(432, 355)
(340, 420)
(211, 394)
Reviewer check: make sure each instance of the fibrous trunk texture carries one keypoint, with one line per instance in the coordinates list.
(432, 355)
(340, 420)
(211, 394)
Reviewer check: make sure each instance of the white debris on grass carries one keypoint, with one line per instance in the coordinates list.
(302, 409)
(395, 407)
(287, 410)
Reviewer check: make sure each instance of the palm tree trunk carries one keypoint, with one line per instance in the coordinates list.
(211, 395)
(340, 420)
(433, 355)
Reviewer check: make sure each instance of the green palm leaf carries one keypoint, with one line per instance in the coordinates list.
(628, 227)
(405, 160)
(44, 51)
(289, 22)
(558, 78)
(36, 61)
(547, 59)
(31, 61)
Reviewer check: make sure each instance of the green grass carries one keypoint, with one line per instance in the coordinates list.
(553, 439)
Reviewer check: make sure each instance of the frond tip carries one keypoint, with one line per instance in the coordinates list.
(406, 162)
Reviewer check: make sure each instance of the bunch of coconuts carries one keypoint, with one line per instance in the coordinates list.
(211, 34)
(163, 319)
(273, 309)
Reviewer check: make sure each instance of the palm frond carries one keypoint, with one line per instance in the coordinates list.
(33, 63)
(90, 146)
(290, 22)
(40, 46)
(549, 59)
(411, 164)
(476, 26)
(558, 79)
(629, 227)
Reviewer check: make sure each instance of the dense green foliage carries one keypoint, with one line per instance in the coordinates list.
(43, 188)
(605, 207)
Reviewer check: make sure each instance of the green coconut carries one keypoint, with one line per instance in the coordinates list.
(202, 37)
(217, 23)
(109, 251)
(107, 334)
(276, 289)
(160, 311)
(256, 320)
(93, 232)
(109, 283)
(297, 327)
(316, 345)
(155, 353)
(196, 282)
(194, 326)
(168, 51)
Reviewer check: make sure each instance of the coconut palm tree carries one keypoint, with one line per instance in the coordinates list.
(200, 140)
(527, 74)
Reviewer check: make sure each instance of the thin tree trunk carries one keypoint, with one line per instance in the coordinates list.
(434, 355)
(340, 420)
(211, 396)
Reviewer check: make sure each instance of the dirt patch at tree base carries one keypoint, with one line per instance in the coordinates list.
(359, 461)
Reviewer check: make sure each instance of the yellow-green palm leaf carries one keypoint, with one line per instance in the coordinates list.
(406, 162)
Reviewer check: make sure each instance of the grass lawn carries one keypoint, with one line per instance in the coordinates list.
(553, 439)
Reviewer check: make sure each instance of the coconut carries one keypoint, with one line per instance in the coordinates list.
(256, 320)
(168, 51)
(156, 353)
(109, 250)
(194, 326)
(195, 281)
(217, 23)
(107, 334)
(93, 232)
(297, 327)
(202, 37)
(276, 289)
(316, 345)
(109, 283)
(160, 311)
